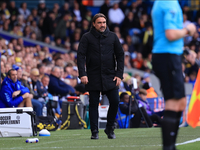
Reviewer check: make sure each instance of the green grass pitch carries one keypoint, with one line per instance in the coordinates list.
(126, 139)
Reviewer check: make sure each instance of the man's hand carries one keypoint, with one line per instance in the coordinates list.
(191, 57)
(16, 93)
(192, 28)
(84, 79)
(31, 96)
(26, 95)
(118, 81)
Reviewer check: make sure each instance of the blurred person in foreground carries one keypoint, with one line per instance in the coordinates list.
(167, 49)
(12, 93)
(102, 52)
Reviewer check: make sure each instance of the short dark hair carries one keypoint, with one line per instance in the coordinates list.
(9, 72)
(97, 16)
(123, 94)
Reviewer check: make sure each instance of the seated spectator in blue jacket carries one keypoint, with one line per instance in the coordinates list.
(56, 86)
(59, 88)
(43, 89)
(12, 93)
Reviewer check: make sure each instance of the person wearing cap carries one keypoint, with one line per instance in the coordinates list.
(36, 87)
(12, 93)
(42, 7)
(103, 55)
(167, 18)
(146, 79)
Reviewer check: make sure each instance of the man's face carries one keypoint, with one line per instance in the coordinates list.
(56, 72)
(143, 97)
(126, 98)
(19, 73)
(34, 77)
(13, 76)
(45, 81)
(100, 24)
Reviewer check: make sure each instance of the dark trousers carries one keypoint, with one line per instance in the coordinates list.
(113, 97)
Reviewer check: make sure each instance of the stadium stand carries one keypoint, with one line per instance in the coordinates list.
(31, 41)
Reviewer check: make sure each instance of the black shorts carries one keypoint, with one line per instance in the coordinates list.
(168, 69)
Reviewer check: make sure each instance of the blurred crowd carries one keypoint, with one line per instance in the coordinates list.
(63, 26)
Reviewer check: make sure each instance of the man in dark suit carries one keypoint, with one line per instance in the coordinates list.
(104, 57)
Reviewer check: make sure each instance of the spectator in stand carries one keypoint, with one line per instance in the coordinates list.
(196, 42)
(115, 15)
(58, 42)
(127, 63)
(59, 62)
(188, 12)
(3, 70)
(128, 23)
(29, 20)
(55, 10)
(147, 40)
(34, 14)
(58, 87)
(7, 67)
(6, 25)
(12, 9)
(13, 21)
(36, 87)
(20, 21)
(123, 5)
(185, 20)
(88, 16)
(146, 79)
(138, 61)
(198, 25)
(34, 28)
(4, 10)
(16, 30)
(48, 27)
(76, 36)
(192, 77)
(71, 29)
(24, 11)
(77, 12)
(41, 69)
(27, 32)
(129, 42)
(60, 31)
(64, 9)
(133, 9)
(151, 93)
(105, 8)
(12, 93)
(85, 27)
(41, 7)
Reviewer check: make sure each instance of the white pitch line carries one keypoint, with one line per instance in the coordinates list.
(187, 142)
(86, 147)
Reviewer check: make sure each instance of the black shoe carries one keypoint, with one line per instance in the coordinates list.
(172, 147)
(95, 136)
(110, 134)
